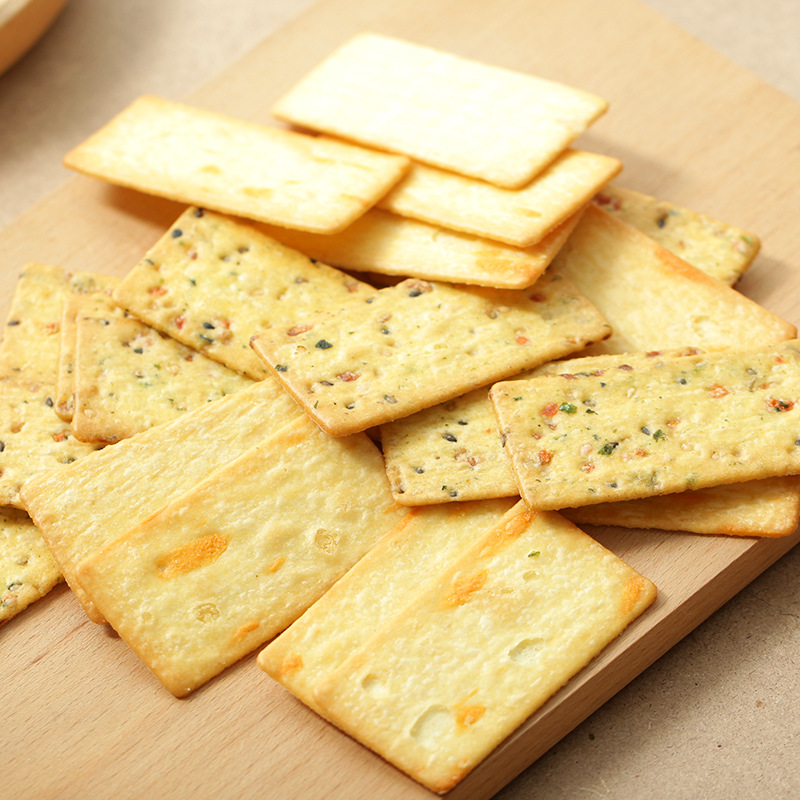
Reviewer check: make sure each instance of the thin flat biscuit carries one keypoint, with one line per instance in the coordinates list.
(264, 528)
(373, 591)
(385, 243)
(28, 570)
(670, 426)
(504, 626)
(91, 503)
(129, 377)
(212, 283)
(520, 217)
(419, 343)
(450, 112)
(652, 298)
(255, 171)
(719, 249)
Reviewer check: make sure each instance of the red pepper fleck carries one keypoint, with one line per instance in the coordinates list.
(59, 437)
(718, 391)
(780, 405)
(348, 376)
(157, 290)
(538, 297)
(673, 423)
(522, 340)
(780, 360)
(545, 457)
(550, 410)
(180, 322)
(587, 467)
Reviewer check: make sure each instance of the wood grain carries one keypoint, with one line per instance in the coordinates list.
(84, 717)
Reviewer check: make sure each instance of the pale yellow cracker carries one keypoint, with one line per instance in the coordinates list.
(419, 343)
(461, 115)
(769, 508)
(719, 249)
(256, 171)
(212, 283)
(674, 425)
(231, 563)
(89, 504)
(652, 298)
(520, 217)
(504, 627)
(33, 440)
(129, 377)
(424, 542)
(86, 305)
(393, 245)
(28, 570)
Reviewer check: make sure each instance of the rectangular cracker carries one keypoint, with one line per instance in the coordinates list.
(652, 298)
(389, 244)
(95, 304)
(519, 217)
(719, 249)
(129, 377)
(441, 109)
(504, 626)
(669, 426)
(28, 570)
(373, 591)
(91, 503)
(212, 283)
(33, 440)
(255, 171)
(420, 343)
(261, 526)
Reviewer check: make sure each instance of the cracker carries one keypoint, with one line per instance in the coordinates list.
(28, 570)
(212, 283)
(129, 377)
(719, 249)
(91, 503)
(652, 298)
(440, 109)
(256, 171)
(393, 245)
(74, 305)
(33, 440)
(275, 527)
(506, 625)
(374, 590)
(419, 343)
(520, 217)
(670, 426)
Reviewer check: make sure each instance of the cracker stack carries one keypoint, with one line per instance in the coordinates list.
(306, 417)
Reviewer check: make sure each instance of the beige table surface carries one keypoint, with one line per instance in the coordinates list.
(718, 715)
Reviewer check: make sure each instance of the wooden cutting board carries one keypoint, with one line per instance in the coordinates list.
(82, 716)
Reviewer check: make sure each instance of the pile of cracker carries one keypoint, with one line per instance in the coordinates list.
(352, 404)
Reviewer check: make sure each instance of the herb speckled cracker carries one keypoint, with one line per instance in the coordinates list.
(387, 243)
(255, 171)
(719, 249)
(374, 590)
(652, 298)
(212, 283)
(503, 627)
(674, 425)
(519, 217)
(419, 343)
(129, 377)
(261, 527)
(87, 505)
(441, 109)
(28, 570)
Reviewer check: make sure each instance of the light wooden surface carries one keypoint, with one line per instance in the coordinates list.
(714, 717)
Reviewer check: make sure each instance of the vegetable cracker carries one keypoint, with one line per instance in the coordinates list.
(87, 505)
(129, 377)
(212, 283)
(256, 171)
(520, 217)
(504, 626)
(419, 343)
(461, 115)
(261, 528)
(669, 426)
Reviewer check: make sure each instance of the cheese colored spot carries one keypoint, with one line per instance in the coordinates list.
(191, 556)
(469, 715)
(463, 588)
